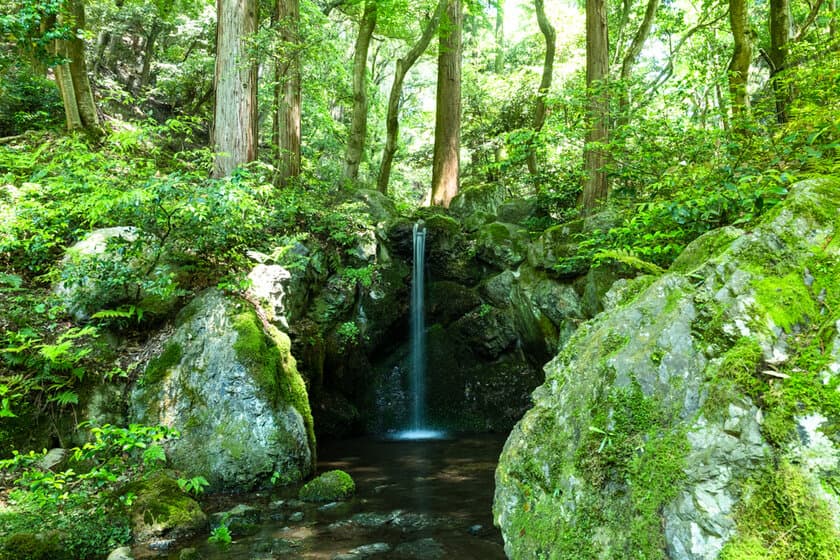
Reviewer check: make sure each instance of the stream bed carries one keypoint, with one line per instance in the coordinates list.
(421, 500)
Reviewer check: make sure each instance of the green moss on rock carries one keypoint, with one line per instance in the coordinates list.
(782, 519)
(161, 508)
(266, 352)
(331, 486)
(159, 366)
(787, 299)
(705, 247)
(33, 546)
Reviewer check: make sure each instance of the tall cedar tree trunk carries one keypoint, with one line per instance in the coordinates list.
(235, 117)
(72, 77)
(358, 122)
(287, 93)
(739, 65)
(632, 55)
(392, 124)
(545, 83)
(596, 188)
(780, 33)
(446, 159)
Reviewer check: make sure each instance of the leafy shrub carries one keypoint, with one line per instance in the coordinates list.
(27, 101)
(78, 503)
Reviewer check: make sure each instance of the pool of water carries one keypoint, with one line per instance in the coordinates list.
(422, 500)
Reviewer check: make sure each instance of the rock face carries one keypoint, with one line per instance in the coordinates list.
(679, 423)
(229, 384)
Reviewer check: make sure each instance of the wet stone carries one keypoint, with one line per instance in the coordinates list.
(296, 517)
(364, 551)
(423, 549)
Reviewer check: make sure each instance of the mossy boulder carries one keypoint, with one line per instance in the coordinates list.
(479, 198)
(663, 423)
(33, 546)
(555, 250)
(331, 486)
(160, 509)
(502, 245)
(227, 381)
(241, 520)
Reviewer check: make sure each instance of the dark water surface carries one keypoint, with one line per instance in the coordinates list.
(422, 500)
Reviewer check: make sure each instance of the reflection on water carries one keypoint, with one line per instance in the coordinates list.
(414, 500)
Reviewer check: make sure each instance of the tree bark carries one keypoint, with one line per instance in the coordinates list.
(235, 116)
(780, 33)
(550, 36)
(446, 158)
(739, 64)
(392, 124)
(72, 77)
(358, 121)
(596, 188)
(287, 115)
(632, 55)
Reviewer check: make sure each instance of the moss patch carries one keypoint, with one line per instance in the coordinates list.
(782, 519)
(787, 299)
(159, 366)
(705, 247)
(331, 486)
(632, 459)
(32, 546)
(268, 357)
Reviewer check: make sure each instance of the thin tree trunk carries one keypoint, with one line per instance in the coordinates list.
(739, 65)
(632, 55)
(358, 121)
(148, 55)
(780, 33)
(392, 124)
(596, 188)
(545, 83)
(287, 101)
(446, 157)
(102, 43)
(499, 62)
(235, 117)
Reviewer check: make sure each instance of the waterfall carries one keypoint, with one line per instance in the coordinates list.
(418, 331)
(418, 426)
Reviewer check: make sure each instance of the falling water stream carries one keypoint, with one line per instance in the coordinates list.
(419, 428)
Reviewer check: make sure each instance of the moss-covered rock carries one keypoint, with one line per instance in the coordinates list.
(556, 249)
(502, 245)
(160, 509)
(480, 198)
(664, 421)
(332, 486)
(33, 546)
(228, 382)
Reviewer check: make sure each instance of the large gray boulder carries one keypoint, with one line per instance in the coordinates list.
(226, 379)
(696, 417)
